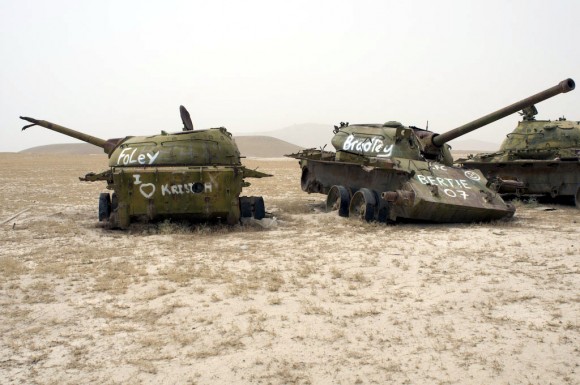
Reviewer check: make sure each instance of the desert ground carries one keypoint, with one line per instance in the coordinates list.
(302, 297)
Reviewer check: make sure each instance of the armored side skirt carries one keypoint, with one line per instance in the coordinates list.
(555, 178)
(414, 190)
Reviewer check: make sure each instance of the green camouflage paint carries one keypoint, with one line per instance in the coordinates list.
(388, 171)
(194, 174)
(539, 157)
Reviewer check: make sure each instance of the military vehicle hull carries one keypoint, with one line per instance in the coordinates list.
(539, 157)
(551, 178)
(389, 171)
(193, 174)
(154, 193)
(390, 190)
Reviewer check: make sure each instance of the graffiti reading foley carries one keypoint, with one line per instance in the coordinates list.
(369, 145)
(128, 156)
(148, 176)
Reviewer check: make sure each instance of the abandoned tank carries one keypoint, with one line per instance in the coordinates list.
(192, 174)
(540, 158)
(390, 172)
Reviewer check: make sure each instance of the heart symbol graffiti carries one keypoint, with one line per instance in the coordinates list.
(147, 190)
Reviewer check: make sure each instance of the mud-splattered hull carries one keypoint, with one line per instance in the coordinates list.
(414, 190)
(196, 192)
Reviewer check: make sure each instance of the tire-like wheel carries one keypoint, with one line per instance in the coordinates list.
(258, 208)
(338, 198)
(104, 206)
(363, 205)
(577, 198)
(245, 207)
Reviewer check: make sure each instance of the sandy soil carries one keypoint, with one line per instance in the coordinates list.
(312, 299)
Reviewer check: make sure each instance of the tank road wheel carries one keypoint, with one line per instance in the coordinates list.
(258, 208)
(252, 207)
(338, 198)
(363, 204)
(245, 207)
(104, 206)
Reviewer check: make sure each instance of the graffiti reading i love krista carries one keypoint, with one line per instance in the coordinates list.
(147, 190)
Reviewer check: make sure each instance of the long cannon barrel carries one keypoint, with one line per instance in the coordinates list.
(562, 87)
(104, 144)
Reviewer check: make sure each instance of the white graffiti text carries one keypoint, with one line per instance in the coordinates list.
(128, 156)
(372, 145)
(186, 188)
(443, 182)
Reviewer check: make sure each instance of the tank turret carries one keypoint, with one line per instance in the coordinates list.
(192, 174)
(543, 139)
(539, 158)
(389, 171)
(562, 87)
(393, 139)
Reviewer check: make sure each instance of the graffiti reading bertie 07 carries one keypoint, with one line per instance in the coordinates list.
(451, 187)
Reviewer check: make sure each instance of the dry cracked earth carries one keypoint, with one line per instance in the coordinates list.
(303, 297)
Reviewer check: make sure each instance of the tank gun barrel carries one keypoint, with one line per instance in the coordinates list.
(104, 144)
(562, 87)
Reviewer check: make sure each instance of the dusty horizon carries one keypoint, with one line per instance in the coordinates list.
(116, 69)
(305, 297)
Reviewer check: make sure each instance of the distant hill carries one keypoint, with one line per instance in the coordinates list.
(272, 145)
(66, 148)
(309, 135)
(264, 146)
(253, 146)
(474, 145)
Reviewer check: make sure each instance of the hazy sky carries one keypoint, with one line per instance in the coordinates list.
(117, 68)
